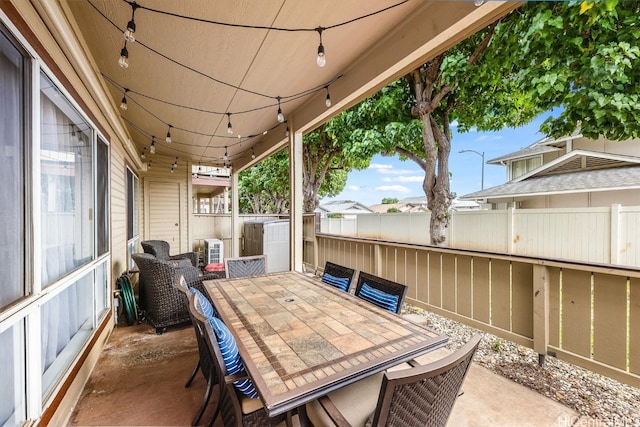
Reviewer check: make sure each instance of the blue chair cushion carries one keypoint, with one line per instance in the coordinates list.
(379, 298)
(341, 283)
(203, 305)
(231, 357)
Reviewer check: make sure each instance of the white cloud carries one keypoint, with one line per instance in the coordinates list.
(380, 166)
(488, 138)
(353, 188)
(404, 179)
(393, 188)
(454, 124)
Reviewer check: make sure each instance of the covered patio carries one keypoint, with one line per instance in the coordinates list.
(203, 85)
(139, 380)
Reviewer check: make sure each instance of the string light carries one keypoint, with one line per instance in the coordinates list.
(327, 101)
(229, 128)
(168, 138)
(286, 132)
(253, 154)
(142, 155)
(131, 25)
(225, 157)
(280, 115)
(124, 56)
(123, 103)
(152, 148)
(321, 60)
(149, 165)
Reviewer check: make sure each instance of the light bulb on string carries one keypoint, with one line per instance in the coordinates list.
(280, 115)
(123, 103)
(168, 138)
(124, 56)
(142, 155)
(131, 25)
(225, 157)
(327, 101)
(253, 154)
(321, 60)
(229, 127)
(286, 132)
(152, 149)
(149, 165)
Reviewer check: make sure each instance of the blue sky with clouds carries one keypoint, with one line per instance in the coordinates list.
(390, 177)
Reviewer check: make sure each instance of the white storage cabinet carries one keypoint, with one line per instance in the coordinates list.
(268, 237)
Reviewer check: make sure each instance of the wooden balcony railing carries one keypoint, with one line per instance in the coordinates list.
(587, 314)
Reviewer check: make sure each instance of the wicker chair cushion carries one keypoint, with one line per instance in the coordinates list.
(231, 356)
(356, 402)
(341, 283)
(379, 298)
(202, 304)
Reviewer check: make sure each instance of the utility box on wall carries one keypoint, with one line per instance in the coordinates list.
(268, 237)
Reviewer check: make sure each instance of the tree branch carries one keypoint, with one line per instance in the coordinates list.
(412, 156)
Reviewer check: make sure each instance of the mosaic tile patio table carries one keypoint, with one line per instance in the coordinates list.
(300, 338)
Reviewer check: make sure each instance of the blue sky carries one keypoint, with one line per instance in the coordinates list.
(391, 177)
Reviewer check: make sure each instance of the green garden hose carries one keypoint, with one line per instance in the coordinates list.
(128, 299)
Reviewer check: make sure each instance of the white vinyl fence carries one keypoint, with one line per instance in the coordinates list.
(596, 235)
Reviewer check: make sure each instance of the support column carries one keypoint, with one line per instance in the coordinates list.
(540, 311)
(297, 198)
(236, 232)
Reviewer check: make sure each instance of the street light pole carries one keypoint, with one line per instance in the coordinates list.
(482, 173)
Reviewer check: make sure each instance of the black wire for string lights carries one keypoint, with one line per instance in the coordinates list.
(284, 99)
(130, 91)
(321, 60)
(240, 141)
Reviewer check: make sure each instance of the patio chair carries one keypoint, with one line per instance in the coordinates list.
(381, 292)
(160, 249)
(419, 396)
(205, 361)
(163, 303)
(337, 276)
(254, 265)
(233, 405)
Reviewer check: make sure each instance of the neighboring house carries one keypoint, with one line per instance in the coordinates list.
(567, 172)
(419, 204)
(344, 208)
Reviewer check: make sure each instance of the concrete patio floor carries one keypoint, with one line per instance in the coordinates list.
(140, 376)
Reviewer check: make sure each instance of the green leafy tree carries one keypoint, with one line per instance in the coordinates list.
(264, 188)
(389, 200)
(581, 56)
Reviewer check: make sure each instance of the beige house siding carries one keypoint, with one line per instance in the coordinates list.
(63, 57)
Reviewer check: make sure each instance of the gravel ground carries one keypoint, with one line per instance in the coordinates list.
(606, 401)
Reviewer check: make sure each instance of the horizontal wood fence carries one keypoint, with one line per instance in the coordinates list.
(587, 314)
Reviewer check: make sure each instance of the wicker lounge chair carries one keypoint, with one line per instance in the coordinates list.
(338, 276)
(255, 265)
(419, 396)
(163, 303)
(160, 249)
(386, 294)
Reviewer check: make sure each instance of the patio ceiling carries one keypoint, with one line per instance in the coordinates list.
(189, 74)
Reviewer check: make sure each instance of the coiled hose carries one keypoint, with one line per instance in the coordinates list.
(129, 305)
